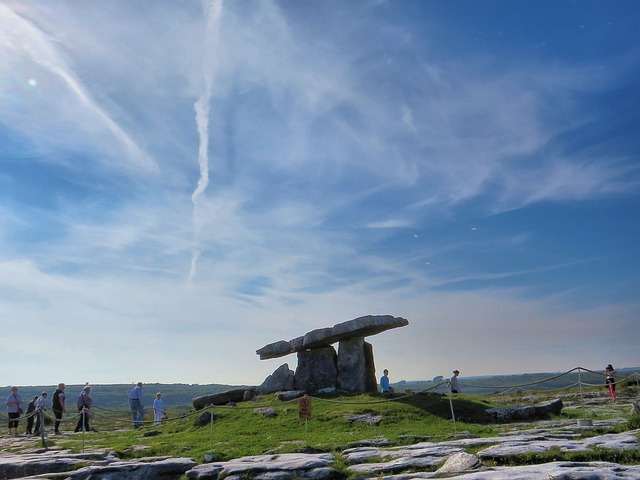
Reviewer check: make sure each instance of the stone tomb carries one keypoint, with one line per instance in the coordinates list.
(350, 369)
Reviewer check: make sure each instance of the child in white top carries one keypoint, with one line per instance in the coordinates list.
(158, 410)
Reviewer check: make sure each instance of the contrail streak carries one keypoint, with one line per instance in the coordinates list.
(22, 36)
(213, 11)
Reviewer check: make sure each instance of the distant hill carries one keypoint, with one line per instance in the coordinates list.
(518, 382)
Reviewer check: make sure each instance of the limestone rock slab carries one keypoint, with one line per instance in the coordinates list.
(322, 337)
(527, 413)
(282, 379)
(266, 466)
(223, 398)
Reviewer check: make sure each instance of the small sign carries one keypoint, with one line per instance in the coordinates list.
(304, 408)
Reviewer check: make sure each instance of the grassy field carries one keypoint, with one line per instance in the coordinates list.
(239, 430)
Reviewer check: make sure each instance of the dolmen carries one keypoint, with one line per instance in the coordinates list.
(320, 367)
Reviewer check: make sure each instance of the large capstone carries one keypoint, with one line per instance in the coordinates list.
(322, 337)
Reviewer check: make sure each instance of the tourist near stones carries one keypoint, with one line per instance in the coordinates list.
(350, 369)
(368, 459)
(320, 368)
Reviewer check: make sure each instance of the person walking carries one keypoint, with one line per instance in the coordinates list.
(31, 408)
(158, 409)
(57, 405)
(610, 381)
(84, 406)
(41, 407)
(14, 410)
(136, 405)
(453, 382)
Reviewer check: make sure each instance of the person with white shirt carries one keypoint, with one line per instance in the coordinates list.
(41, 407)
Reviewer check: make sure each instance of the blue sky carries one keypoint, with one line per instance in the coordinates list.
(182, 183)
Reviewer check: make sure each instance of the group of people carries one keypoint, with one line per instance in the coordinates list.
(38, 405)
(137, 407)
(609, 373)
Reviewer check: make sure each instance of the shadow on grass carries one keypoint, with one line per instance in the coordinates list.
(466, 409)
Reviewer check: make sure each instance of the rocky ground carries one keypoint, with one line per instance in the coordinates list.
(374, 459)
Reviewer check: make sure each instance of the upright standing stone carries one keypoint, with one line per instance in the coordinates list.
(370, 380)
(351, 365)
(316, 369)
(282, 379)
(354, 368)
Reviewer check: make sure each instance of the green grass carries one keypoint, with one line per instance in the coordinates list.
(238, 431)
(554, 454)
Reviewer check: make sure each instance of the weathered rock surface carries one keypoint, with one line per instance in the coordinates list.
(365, 418)
(553, 470)
(142, 469)
(430, 454)
(368, 462)
(354, 357)
(282, 379)
(205, 418)
(533, 444)
(20, 466)
(316, 369)
(460, 462)
(263, 467)
(223, 398)
(322, 337)
(289, 395)
(527, 413)
(104, 466)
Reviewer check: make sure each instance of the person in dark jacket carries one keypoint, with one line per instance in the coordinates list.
(31, 408)
(57, 405)
(84, 405)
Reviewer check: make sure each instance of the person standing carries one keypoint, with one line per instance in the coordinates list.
(137, 408)
(31, 408)
(158, 409)
(57, 405)
(453, 382)
(14, 409)
(384, 382)
(41, 407)
(84, 405)
(610, 381)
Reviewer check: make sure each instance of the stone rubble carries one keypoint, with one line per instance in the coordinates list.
(366, 462)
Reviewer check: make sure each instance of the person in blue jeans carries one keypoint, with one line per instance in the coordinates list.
(137, 408)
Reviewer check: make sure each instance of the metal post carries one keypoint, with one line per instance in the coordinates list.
(581, 397)
(84, 420)
(40, 413)
(453, 415)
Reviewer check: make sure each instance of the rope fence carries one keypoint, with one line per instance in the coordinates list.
(116, 420)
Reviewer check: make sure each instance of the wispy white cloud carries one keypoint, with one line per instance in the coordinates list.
(26, 42)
